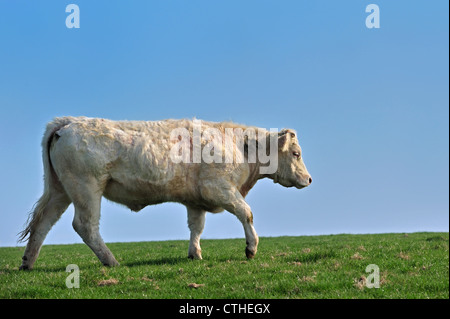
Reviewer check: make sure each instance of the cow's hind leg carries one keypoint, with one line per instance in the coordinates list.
(86, 198)
(46, 213)
(196, 223)
(86, 224)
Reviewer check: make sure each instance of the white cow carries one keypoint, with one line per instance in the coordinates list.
(137, 163)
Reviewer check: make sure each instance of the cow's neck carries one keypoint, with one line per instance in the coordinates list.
(253, 176)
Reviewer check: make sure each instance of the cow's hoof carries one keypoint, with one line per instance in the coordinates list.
(111, 263)
(24, 267)
(195, 257)
(250, 254)
(116, 264)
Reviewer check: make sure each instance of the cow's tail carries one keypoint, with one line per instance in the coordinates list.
(50, 178)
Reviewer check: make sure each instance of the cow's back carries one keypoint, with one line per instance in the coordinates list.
(132, 160)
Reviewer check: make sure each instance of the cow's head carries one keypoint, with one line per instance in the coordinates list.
(291, 169)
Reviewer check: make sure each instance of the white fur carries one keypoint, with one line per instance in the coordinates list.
(129, 162)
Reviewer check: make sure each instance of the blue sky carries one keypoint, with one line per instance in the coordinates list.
(370, 105)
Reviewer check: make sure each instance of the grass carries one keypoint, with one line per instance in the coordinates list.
(411, 266)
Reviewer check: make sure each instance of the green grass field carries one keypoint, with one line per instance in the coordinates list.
(410, 266)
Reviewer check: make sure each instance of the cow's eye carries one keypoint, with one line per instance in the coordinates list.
(296, 154)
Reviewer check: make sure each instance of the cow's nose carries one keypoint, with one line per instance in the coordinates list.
(310, 180)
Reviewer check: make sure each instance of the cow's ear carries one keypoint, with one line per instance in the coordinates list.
(283, 140)
(286, 137)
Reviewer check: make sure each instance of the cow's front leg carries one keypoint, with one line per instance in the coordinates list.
(196, 223)
(239, 207)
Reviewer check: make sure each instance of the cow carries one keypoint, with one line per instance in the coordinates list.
(138, 163)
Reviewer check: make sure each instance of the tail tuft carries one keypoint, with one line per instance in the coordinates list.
(34, 217)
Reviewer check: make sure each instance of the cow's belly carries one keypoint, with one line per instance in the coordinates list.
(148, 194)
(135, 198)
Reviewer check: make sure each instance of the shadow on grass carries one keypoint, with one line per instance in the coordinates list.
(159, 261)
(43, 269)
(148, 262)
(316, 256)
(437, 238)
